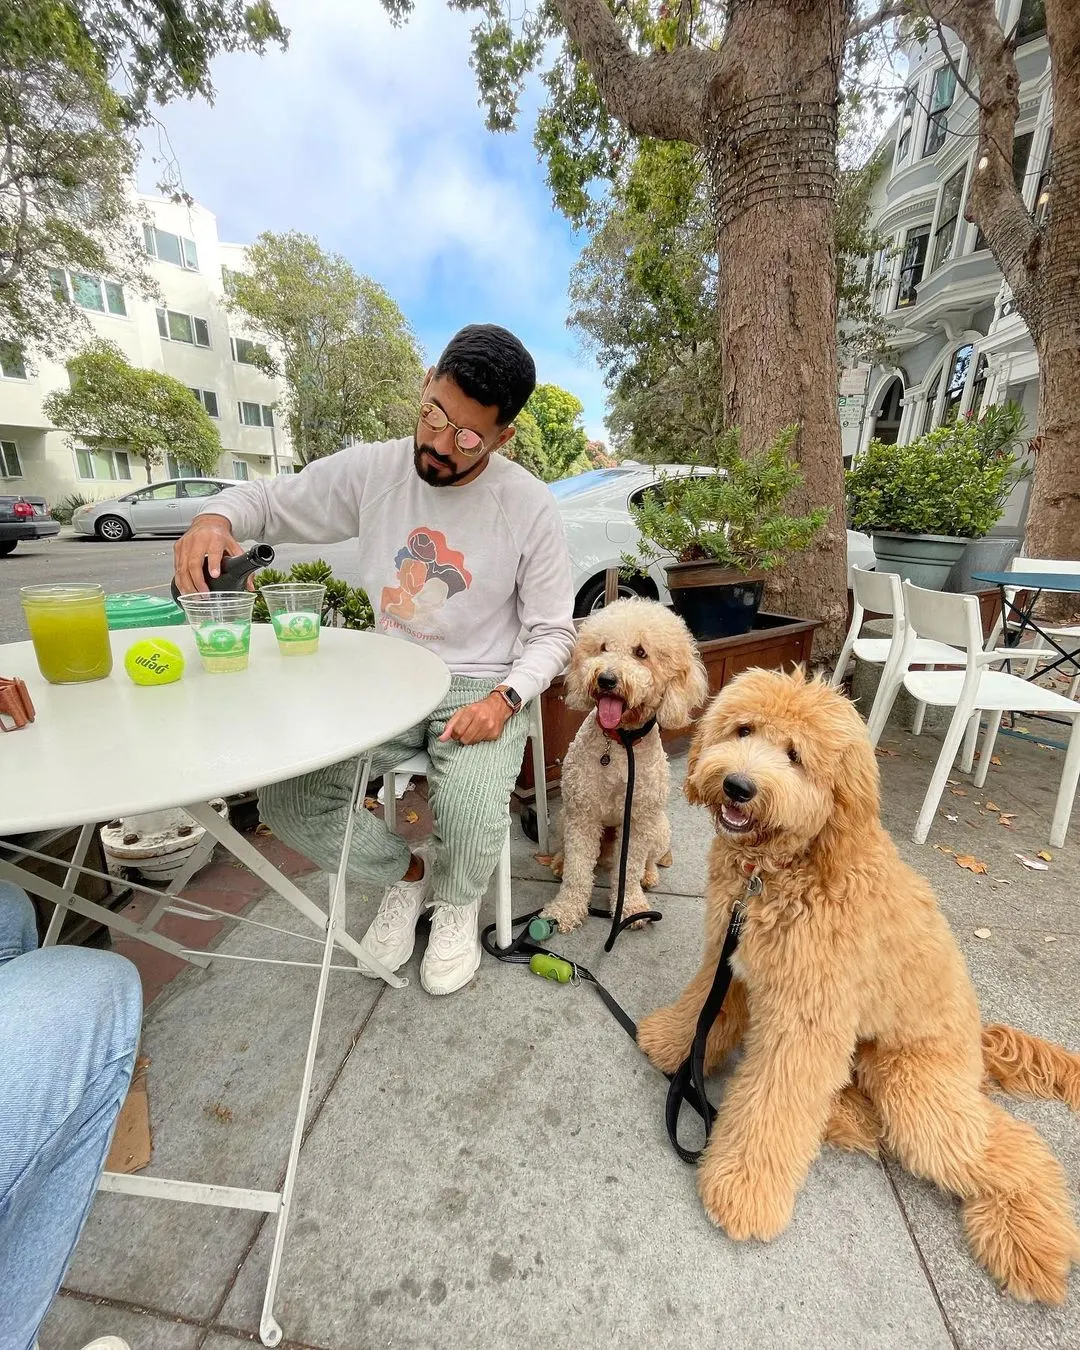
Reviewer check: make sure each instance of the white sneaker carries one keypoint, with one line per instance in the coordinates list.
(453, 951)
(391, 935)
(107, 1343)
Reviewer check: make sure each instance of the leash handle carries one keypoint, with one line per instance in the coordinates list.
(688, 1084)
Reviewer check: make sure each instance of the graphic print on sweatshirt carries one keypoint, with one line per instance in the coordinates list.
(429, 573)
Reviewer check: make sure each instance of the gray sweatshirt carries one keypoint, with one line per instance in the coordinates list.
(478, 572)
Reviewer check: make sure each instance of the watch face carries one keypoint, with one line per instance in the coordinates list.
(512, 697)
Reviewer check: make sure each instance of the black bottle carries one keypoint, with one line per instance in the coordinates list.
(235, 571)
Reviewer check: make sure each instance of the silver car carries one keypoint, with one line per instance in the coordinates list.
(167, 507)
(595, 510)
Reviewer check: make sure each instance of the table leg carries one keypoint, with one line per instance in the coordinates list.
(56, 921)
(269, 1330)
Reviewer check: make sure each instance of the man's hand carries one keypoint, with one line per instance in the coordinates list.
(208, 540)
(482, 721)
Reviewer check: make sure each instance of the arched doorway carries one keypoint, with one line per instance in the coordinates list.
(888, 410)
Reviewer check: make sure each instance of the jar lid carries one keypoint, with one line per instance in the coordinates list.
(133, 609)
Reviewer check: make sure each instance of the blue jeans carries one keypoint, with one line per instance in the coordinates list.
(69, 1030)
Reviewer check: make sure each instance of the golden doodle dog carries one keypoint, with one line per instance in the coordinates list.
(857, 1016)
(633, 661)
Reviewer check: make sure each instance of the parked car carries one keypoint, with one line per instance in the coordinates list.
(24, 518)
(167, 507)
(595, 510)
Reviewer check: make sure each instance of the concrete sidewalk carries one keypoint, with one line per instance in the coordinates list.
(491, 1169)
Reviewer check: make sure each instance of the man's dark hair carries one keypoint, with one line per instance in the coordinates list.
(490, 365)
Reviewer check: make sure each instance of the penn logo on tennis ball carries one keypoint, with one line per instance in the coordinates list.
(154, 661)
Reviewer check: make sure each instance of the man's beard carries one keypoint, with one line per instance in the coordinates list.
(430, 474)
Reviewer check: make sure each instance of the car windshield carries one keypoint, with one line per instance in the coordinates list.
(585, 482)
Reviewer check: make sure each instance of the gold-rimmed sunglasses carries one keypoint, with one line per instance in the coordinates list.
(469, 442)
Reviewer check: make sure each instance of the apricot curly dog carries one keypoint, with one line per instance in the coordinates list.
(633, 660)
(858, 1018)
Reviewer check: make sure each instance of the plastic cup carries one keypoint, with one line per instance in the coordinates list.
(221, 621)
(69, 631)
(295, 609)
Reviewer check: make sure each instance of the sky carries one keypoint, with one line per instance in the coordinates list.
(370, 138)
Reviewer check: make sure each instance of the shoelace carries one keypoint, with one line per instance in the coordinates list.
(394, 911)
(451, 926)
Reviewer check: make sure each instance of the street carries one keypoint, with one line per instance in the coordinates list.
(135, 565)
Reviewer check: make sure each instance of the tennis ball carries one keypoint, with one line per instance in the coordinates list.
(154, 661)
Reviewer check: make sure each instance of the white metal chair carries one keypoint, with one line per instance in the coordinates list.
(419, 766)
(954, 619)
(1067, 636)
(881, 593)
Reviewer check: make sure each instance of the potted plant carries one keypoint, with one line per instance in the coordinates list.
(724, 527)
(926, 501)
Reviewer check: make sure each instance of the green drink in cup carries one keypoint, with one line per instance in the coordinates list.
(221, 621)
(295, 609)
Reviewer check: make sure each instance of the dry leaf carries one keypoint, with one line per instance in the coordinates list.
(959, 792)
(1049, 939)
(1006, 816)
(411, 817)
(951, 817)
(1032, 864)
(942, 849)
(990, 806)
(370, 803)
(1046, 857)
(544, 859)
(982, 932)
(885, 752)
(971, 864)
(264, 832)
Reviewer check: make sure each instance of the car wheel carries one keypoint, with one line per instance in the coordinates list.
(112, 528)
(8, 546)
(591, 596)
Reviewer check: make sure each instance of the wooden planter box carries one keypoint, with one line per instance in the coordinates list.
(775, 642)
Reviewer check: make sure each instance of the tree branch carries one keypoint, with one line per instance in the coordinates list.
(660, 95)
(893, 9)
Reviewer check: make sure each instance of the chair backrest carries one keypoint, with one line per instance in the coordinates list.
(1061, 566)
(944, 617)
(878, 592)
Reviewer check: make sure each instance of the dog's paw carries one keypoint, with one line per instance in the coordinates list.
(567, 914)
(636, 904)
(665, 1038)
(651, 877)
(556, 865)
(740, 1202)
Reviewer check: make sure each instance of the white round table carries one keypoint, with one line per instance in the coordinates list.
(111, 748)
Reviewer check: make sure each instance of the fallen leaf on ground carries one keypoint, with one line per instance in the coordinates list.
(942, 849)
(982, 932)
(370, 803)
(411, 817)
(970, 863)
(949, 816)
(1032, 864)
(544, 859)
(1046, 857)
(991, 806)
(264, 831)
(1049, 939)
(959, 792)
(1006, 816)
(884, 751)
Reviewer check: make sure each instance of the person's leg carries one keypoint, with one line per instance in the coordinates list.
(310, 812)
(18, 925)
(69, 1031)
(469, 793)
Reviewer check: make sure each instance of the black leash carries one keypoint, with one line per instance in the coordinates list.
(618, 923)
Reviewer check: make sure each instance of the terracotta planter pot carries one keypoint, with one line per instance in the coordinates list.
(715, 601)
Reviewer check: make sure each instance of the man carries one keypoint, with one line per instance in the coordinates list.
(461, 551)
(69, 1030)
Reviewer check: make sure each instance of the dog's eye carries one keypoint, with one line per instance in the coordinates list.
(745, 730)
(794, 755)
(603, 646)
(640, 653)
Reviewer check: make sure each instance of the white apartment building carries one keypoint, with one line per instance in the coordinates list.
(189, 335)
(959, 344)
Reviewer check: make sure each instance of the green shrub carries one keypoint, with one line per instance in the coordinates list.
(66, 507)
(344, 606)
(952, 481)
(734, 517)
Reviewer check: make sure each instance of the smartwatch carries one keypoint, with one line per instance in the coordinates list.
(511, 697)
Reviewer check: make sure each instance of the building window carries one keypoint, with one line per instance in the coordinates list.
(978, 386)
(240, 469)
(208, 399)
(255, 414)
(882, 270)
(285, 468)
(1042, 192)
(12, 361)
(954, 390)
(102, 463)
(1021, 155)
(179, 327)
(931, 404)
(948, 215)
(246, 352)
(171, 248)
(907, 123)
(177, 469)
(941, 97)
(1032, 21)
(88, 292)
(228, 278)
(10, 464)
(911, 265)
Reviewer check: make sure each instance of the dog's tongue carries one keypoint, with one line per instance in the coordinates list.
(609, 711)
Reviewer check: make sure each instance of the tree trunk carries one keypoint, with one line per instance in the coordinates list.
(771, 146)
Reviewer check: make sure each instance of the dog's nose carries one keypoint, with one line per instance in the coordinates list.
(607, 681)
(739, 788)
